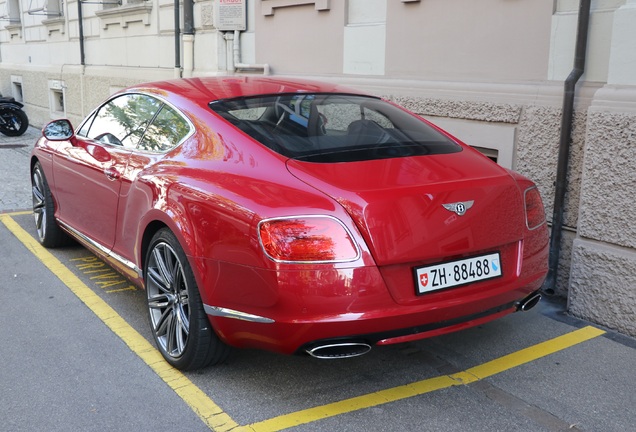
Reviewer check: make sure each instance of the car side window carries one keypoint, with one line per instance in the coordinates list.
(123, 120)
(83, 131)
(166, 131)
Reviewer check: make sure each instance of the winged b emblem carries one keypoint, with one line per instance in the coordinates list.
(459, 208)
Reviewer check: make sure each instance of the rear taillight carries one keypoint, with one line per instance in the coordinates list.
(309, 239)
(535, 213)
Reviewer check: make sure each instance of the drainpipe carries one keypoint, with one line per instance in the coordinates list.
(188, 38)
(564, 144)
(177, 40)
(80, 24)
(81, 33)
(238, 66)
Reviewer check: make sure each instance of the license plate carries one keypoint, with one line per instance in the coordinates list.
(454, 273)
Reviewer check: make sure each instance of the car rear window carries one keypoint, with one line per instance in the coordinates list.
(333, 127)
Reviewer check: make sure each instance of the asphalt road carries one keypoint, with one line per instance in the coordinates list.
(76, 354)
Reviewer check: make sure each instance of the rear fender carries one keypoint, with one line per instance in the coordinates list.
(159, 218)
(11, 103)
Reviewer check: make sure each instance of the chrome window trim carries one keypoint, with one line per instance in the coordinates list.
(135, 149)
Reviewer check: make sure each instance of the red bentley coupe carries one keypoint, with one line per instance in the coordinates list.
(289, 215)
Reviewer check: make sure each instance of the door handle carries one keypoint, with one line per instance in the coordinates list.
(111, 174)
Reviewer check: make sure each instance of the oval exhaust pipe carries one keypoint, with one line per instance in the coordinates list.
(529, 302)
(339, 350)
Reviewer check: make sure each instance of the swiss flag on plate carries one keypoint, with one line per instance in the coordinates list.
(424, 279)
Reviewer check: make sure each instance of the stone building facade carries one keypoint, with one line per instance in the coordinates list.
(491, 72)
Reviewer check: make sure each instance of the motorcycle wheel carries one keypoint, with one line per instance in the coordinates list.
(14, 122)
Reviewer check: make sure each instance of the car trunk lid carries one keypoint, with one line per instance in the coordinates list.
(409, 210)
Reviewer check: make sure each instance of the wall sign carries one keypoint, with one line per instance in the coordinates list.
(230, 15)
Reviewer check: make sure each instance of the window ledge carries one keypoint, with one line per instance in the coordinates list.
(268, 7)
(15, 30)
(125, 15)
(56, 24)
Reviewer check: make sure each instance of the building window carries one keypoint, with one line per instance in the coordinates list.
(56, 98)
(495, 140)
(53, 8)
(48, 8)
(490, 153)
(16, 88)
(110, 4)
(13, 11)
(124, 12)
(17, 91)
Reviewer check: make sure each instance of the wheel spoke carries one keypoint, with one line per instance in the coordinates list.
(156, 280)
(38, 198)
(176, 276)
(183, 316)
(164, 323)
(160, 301)
(181, 331)
(39, 204)
(39, 219)
(163, 265)
(184, 320)
(171, 325)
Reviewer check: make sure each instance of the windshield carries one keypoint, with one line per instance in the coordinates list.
(333, 127)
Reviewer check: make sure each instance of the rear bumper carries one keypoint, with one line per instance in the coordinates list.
(354, 305)
(423, 331)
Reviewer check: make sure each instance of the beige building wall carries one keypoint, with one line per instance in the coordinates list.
(464, 40)
(491, 72)
(300, 39)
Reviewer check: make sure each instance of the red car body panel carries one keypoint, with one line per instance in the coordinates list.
(214, 189)
(398, 203)
(81, 179)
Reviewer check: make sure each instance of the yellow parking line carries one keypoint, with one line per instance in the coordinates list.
(210, 413)
(216, 419)
(19, 213)
(426, 386)
(534, 352)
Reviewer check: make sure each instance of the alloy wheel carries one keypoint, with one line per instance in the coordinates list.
(39, 203)
(168, 300)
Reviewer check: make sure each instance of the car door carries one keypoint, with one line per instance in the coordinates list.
(168, 129)
(89, 172)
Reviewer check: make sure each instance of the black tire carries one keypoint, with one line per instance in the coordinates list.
(178, 322)
(50, 234)
(15, 122)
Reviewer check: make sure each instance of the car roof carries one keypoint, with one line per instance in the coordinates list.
(208, 89)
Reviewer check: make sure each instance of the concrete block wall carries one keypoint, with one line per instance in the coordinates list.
(603, 271)
(83, 88)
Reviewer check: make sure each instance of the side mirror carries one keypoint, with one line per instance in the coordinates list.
(58, 130)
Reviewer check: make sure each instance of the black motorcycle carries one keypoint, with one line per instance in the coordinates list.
(13, 121)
